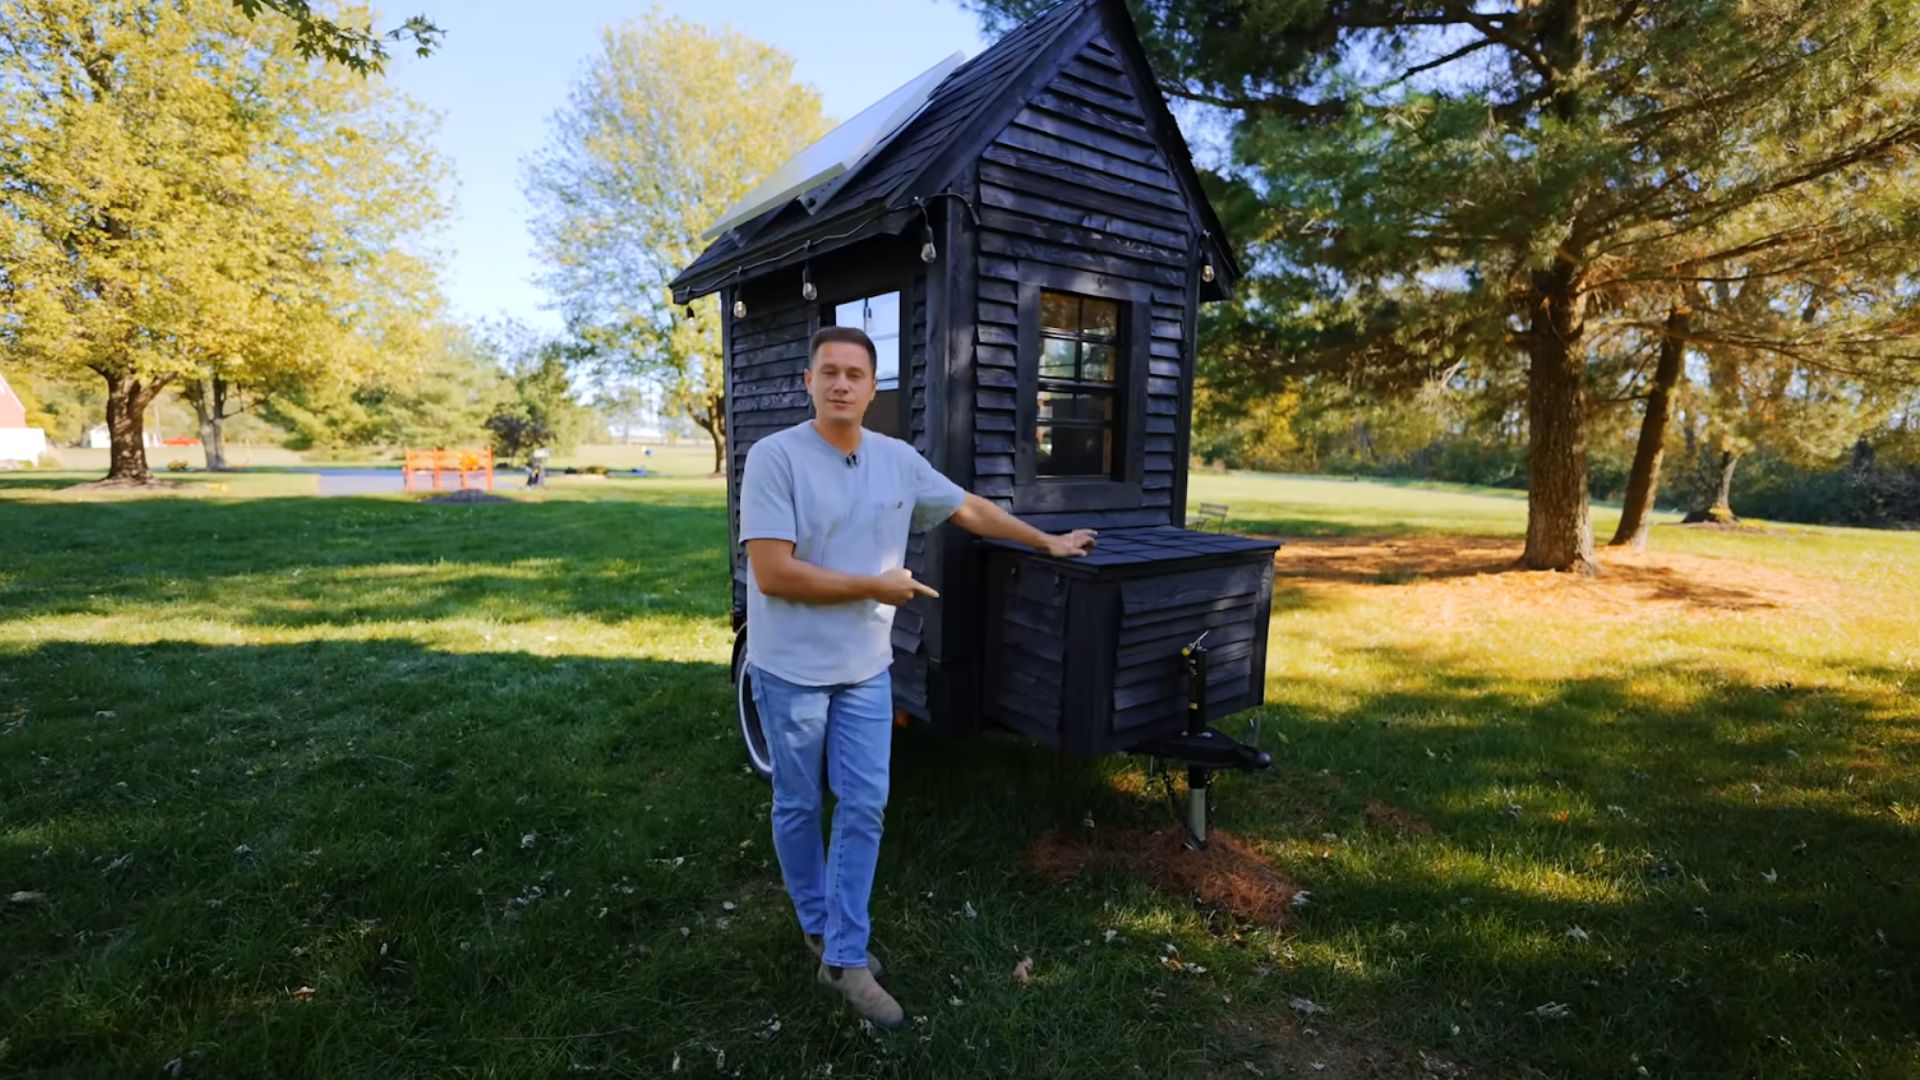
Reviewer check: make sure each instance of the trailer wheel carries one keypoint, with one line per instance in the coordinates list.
(758, 757)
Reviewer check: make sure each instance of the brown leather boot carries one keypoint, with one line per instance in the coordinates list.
(817, 944)
(865, 996)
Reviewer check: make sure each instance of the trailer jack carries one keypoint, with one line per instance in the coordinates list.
(1204, 750)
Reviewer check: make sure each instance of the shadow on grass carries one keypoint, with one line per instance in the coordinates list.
(475, 859)
(1711, 874)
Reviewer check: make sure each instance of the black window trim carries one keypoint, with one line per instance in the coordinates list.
(1033, 493)
(823, 313)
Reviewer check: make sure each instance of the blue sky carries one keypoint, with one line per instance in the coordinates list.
(507, 65)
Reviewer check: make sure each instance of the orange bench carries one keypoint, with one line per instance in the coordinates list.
(464, 469)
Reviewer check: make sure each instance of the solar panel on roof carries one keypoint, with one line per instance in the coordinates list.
(839, 151)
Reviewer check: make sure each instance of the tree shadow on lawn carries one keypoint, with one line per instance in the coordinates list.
(471, 859)
(300, 562)
(1721, 884)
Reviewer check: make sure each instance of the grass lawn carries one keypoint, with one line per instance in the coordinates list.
(360, 787)
(685, 459)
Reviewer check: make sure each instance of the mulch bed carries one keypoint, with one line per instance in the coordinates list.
(1228, 875)
(469, 495)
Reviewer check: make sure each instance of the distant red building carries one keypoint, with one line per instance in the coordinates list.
(13, 412)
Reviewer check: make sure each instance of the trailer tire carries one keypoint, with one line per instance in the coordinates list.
(747, 712)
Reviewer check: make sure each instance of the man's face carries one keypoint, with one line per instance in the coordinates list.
(841, 382)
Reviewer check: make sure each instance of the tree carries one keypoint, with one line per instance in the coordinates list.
(185, 197)
(668, 127)
(1429, 165)
(539, 409)
(354, 45)
(439, 398)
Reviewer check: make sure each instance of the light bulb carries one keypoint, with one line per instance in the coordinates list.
(1206, 273)
(928, 252)
(807, 291)
(739, 309)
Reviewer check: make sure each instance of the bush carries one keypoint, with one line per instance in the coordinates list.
(1862, 494)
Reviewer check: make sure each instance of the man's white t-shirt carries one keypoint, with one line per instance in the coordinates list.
(850, 513)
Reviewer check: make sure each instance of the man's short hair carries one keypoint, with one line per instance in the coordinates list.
(844, 335)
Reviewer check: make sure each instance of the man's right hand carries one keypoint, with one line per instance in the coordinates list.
(896, 587)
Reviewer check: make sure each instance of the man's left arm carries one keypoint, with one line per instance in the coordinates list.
(983, 518)
(937, 499)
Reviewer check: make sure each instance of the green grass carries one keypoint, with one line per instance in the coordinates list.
(685, 459)
(253, 742)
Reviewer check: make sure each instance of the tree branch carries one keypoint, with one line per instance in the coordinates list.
(1277, 105)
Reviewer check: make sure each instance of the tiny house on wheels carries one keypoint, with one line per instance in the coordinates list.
(1026, 240)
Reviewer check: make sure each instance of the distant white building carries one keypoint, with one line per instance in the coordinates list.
(18, 442)
(99, 438)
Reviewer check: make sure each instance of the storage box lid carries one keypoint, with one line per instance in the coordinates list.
(1153, 544)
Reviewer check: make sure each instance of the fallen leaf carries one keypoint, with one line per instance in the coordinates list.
(727, 905)
(967, 910)
(1770, 877)
(305, 993)
(24, 897)
(1023, 971)
(1304, 1007)
(1110, 935)
(1576, 933)
(1552, 1010)
(1301, 898)
(528, 841)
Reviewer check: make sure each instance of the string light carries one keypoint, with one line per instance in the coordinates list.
(1206, 273)
(928, 252)
(739, 309)
(807, 291)
(927, 236)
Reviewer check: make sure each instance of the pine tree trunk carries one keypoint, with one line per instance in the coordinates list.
(1559, 520)
(127, 401)
(1643, 486)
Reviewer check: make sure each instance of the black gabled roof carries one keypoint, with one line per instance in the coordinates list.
(878, 196)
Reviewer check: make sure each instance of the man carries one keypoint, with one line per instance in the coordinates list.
(825, 509)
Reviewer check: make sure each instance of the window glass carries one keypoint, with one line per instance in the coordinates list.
(1079, 386)
(879, 316)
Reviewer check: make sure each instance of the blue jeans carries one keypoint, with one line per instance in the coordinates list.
(844, 735)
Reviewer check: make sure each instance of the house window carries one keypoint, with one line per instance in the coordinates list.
(1078, 421)
(879, 316)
